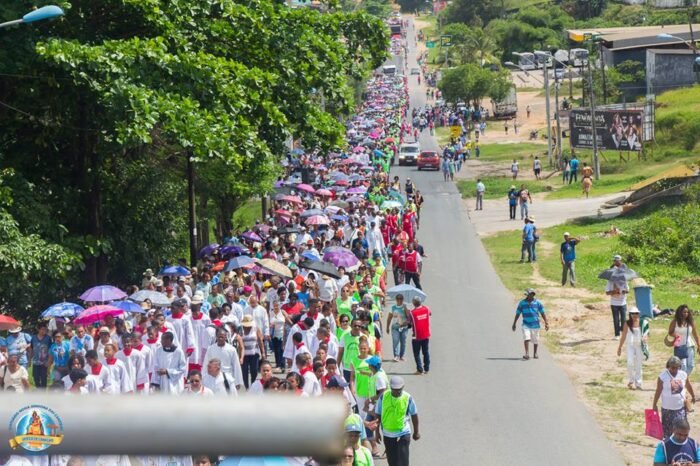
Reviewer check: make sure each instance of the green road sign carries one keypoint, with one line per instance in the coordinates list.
(430, 44)
(445, 41)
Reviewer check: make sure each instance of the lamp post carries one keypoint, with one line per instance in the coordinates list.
(46, 12)
(596, 162)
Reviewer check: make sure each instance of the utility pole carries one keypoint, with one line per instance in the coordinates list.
(596, 162)
(557, 110)
(602, 70)
(549, 118)
(192, 212)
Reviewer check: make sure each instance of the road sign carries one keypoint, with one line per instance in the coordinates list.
(445, 41)
(430, 44)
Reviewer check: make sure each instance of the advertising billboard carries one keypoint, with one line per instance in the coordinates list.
(619, 130)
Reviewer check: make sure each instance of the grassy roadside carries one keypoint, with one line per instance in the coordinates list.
(246, 215)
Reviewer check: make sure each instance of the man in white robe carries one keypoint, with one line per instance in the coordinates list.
(217, 381)
(134, 362)
(228, 356)
(170, 366)
(200, 323)
(182, 327)
(119, 376)
(303, 327)
(99, 379)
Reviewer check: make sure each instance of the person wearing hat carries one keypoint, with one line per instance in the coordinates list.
(530, 309)
(567, 254)
(361, 455)
(512, 201)
(528, 239)
(253, 348)
(634, 335)
(18, 343)
(617, 290)
(394, 409)
(148, 279)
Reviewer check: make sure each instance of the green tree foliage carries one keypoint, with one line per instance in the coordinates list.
(104, 108)
(471, 83)
(474, 12)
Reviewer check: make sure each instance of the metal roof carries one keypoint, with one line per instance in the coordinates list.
(636, 37)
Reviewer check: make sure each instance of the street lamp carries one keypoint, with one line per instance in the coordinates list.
(45, 12)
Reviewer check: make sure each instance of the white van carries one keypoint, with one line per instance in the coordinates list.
(389, 70)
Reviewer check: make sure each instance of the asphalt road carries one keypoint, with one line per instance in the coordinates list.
(482, 404)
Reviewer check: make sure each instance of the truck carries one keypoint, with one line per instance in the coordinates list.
(395, 27)
(506, 108)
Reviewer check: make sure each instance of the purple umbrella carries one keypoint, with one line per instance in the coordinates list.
(341, 258)
(355, 199)
(227, 251)
(357, 190)
(102, 293)
(208, 250)
(252, 236)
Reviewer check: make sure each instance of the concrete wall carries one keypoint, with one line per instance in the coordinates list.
(668, 70)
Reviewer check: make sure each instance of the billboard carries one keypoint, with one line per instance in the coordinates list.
(619, 130)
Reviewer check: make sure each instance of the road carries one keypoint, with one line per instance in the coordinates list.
(482, 404)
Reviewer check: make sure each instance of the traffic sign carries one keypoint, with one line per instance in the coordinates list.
(430, 44)
(445, 41)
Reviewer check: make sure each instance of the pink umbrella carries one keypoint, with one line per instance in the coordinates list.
(97, 313)
(305, 187)
(357, 190)
(283, 212)
(318, 220)
(323, 192)
(293, 199)
(358, 149)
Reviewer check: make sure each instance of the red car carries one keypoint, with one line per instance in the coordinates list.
(428, 159)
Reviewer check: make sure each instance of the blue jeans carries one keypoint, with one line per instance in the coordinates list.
(424, 347)
(688, 364)
(398, 338)
(523, 210)
(529, 247)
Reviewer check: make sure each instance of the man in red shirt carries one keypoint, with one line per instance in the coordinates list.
(420, 320)
(396, 251)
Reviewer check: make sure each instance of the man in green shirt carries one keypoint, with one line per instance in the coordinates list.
(348, 347)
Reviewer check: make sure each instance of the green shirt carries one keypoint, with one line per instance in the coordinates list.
(344, 307)
(351, 348)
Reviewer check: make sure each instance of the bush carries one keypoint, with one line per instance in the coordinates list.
(666, 238)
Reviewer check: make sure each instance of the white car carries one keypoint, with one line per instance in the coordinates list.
(408, 153)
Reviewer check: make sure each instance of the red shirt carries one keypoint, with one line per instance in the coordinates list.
(421, 322)
(293, 310)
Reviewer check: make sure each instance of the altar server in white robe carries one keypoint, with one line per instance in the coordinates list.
(170, 366)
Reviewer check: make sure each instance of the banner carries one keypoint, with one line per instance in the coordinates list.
(619, 130)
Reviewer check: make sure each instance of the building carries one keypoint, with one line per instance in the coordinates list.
(669, 69)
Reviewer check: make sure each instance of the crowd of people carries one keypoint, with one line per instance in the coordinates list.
(295, 305)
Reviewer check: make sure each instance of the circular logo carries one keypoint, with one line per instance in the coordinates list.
(36, 428)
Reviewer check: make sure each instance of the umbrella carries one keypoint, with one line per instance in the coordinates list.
(62, 310)
(293, 199)
(274, 267)
(356, 177)
(341, 258)
(390, 205)
(311, 255)
(323, 268)
(407, 291)
(358, 149)
(342, 182)
(156, 298)
(238, 263)
(129, 306)
(317, 220)
(397, 196)
(357, 190)
(102, 293)
(233, 251)
(332, 209)
(339, 176)
(616, 274)
(305, 187)
(341, 204)
(311, 212)
(254, 461)
(340, 218)
(219, 266)
(323, 192)
(7, 322)
(174, 271)
(208, 250)
(389, 140)
(96, 313)
(283, 212)
(252, 236)
(288, 230)
(355, 199)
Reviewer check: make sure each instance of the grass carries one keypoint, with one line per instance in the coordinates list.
(594, 254)
(506, 152)
(246, 215)
(497, 187)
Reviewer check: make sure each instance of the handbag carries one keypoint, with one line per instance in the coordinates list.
(681, 351)
(652, 424)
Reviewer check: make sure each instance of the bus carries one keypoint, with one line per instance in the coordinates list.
(526, 61)
(578, 57)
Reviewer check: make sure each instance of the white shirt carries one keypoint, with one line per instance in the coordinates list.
(260, 318)
(673, 397)
(480, 188)
(217, 384)
(230, 362)
(312, 387)
(621, 299)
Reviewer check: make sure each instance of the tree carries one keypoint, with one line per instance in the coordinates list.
(474, 12)
(471, 83)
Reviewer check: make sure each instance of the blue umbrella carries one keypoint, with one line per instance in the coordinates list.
(238, 262)
(174, 271)
(341, 218)
(407, 291)
(208, 250)
(62, 310)
(310, 255)
(129, 306)
(254, 461)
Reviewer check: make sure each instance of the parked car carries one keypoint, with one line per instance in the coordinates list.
(428, 159)
(408, 153)
(414, 71)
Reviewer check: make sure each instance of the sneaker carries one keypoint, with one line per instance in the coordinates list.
(396, 359)
(419, 373)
